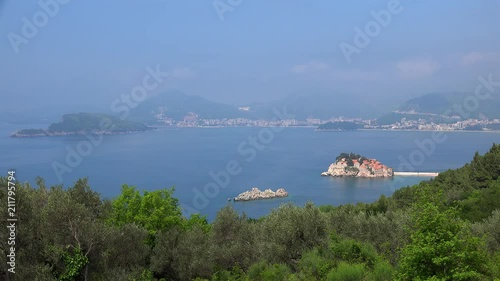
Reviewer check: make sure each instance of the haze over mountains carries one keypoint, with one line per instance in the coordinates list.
(445, 107)
(176, 105)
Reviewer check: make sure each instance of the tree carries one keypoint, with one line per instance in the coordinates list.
(153, 210)
(441, 247)
(182, 254)
(347, 272)
(291, 230)
(233, 240)
(262, 271)
(73, 231)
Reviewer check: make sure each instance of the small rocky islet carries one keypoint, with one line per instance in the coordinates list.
(355, 165)
(345, 165)
(257, 194)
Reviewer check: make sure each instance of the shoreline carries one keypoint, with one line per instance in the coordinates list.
(416, 174)
(49, 135)
(316, 130)
(223, 127)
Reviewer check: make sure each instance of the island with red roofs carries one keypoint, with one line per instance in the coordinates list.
(354, 165)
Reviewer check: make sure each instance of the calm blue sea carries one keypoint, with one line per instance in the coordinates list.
(292, 158)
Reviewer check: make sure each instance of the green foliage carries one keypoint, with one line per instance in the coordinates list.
(481, 202)
(382, 271)
(443, 229)
(490, 229)
(441, 247)
(197, 220)
(353, 252)
(153, 210)
(233, 240)
(349, 156)
(262, 271)
(290, 230)
(347, 272)
(494, 265)
(235, 274)
(146, 275)
(88, 122)
(314, 265)
(73, 264)
(474, 188)
(385, 231)
(32, 132)
(181, 254)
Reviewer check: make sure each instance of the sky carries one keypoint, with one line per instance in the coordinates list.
(85, 53)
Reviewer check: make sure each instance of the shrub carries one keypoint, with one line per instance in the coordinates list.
(347, 272)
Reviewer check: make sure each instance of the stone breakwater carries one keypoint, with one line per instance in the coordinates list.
(256, 194)
(360, 168)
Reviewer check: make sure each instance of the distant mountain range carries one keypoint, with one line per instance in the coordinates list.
(436, 107)
(430, 103)
(176, 105)
(321, 105)
(444, 108)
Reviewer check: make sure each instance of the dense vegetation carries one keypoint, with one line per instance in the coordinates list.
(33, 132)
(349, 157)
(447, 228)
(340, 126)
(94, 121)
(87, 123)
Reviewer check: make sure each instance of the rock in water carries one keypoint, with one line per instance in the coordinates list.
(256, 194)
(354, 165)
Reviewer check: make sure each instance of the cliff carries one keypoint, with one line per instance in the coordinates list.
(256, 194)
(353, 165)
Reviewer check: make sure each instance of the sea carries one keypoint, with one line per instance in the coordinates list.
(209, 166)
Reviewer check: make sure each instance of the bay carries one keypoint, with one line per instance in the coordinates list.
(188, 158)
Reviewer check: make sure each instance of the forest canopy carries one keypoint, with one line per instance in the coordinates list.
(447, 228)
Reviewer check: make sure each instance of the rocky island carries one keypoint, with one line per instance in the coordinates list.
(256, 194)
(354, 165)
(82, 124)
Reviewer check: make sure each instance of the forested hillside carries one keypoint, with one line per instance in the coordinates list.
(447, 228)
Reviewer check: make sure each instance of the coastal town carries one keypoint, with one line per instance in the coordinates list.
(421, 124)
(91, 123)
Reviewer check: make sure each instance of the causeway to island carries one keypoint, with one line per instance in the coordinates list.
(355, 165)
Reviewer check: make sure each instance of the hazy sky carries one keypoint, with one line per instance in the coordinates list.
(91, 52)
